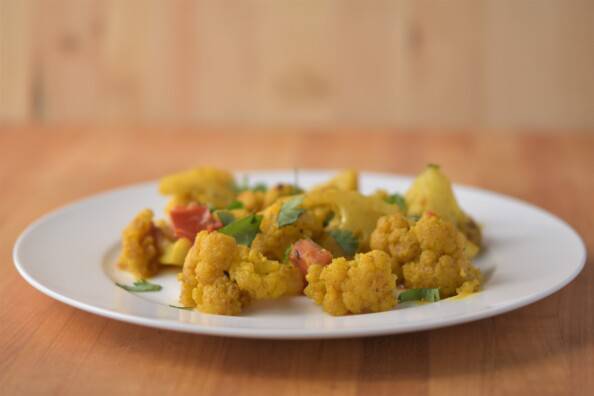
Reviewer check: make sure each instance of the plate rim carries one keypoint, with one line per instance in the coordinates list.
(302, 333)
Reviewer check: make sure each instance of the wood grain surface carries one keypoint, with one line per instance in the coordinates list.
(47, 347)
(382, 63)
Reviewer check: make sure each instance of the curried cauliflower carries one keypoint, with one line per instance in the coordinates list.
(346, 180)
(274, 240)
(431, 253)
(255, 201)
(393, 234)
(222, 277)
(364, 284)
(140, 249)
(201, 185)
(252, 200)
(205, 283)
(263, 278)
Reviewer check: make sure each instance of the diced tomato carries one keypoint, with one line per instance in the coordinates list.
(190, 220)
(306, 252)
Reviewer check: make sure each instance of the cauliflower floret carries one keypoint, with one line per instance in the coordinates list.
(364, 284)
(205, 281)
(201, 185)
(263, 278)
(252, 200)
(222, 277)
(274, 240)
(442, 262)
(140, 250)
(255, 201)
(346, 180)
(393, 234)
(278, 191)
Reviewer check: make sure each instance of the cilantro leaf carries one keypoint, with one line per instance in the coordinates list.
(243, 230)
(397, 199)
(260, 187)
(178, 307)
(140, 286)
(287, 253)
(244, 185)
(413, 217)
(346, 240)
(422, 294)
(290, 211)
(226, 217)
(235, 205)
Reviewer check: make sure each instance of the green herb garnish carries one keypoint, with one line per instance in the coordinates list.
(260, 187)
(243, 230)
(346, 240)
(290, 211)
(178, 307)
(287, 253)
(413, 217)
(397, 199)
(423, 294)
(235, 205)
(226, 217)
(141, 286)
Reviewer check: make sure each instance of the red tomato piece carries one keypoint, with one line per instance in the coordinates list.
(306, 252)
(190, 220)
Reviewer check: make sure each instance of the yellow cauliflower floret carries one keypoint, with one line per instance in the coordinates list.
(202, 185)
(442, 262)
(252, 200)
(393, 234)
(278, 191)
(346, 180)
(255, 201)
(274, 240)
(263, 278)
(364, 284)
(222, 277)
(139, 246)
(205, 283)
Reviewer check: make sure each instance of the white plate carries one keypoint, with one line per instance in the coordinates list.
(70, 255)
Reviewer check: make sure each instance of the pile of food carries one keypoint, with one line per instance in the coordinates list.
(350, 253)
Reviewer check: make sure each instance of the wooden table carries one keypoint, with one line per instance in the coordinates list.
(49, 347)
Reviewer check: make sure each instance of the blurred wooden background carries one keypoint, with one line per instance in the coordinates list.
(485, 64)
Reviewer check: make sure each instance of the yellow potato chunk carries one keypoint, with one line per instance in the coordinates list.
(364, 284)
(175, 252)
(432, 192)
(352, 211)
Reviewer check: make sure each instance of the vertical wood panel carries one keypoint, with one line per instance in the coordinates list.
(387, 63)
(540, 63)
(16, 79)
